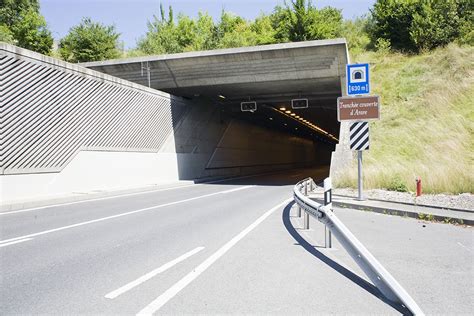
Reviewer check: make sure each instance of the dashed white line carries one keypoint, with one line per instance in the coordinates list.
(117, 216)
(469, 250)
(151, 274)
(14, 242)
(185, 281)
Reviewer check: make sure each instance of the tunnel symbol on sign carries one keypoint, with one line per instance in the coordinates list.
(358, 75)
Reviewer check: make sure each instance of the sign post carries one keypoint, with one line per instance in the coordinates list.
(360, 195)
(358, 107)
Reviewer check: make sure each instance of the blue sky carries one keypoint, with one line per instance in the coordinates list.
(130, 16)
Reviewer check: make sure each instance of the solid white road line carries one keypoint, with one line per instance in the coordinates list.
(151, 274)
(238, 189)
(96, 199)
(14, 242)
(114, 216)
(181, 284)
(125, 195)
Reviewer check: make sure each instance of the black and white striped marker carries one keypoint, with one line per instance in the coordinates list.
(359, 136)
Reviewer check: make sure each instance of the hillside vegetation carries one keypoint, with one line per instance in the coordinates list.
(427, 124)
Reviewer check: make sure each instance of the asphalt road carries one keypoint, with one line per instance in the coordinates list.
(229, 247)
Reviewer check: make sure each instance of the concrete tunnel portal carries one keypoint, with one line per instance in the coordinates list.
(98, 126)
(270, 75)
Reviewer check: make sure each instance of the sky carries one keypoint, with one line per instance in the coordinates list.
(130, 16)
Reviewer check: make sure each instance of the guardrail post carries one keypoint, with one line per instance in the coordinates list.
(327, 201)
(306, 215)
(299, 209)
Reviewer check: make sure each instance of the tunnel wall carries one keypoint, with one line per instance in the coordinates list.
(210, 143)
(66, 130)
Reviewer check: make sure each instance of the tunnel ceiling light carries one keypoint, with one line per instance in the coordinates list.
(306, 122)
(221, 96)
(270, 118)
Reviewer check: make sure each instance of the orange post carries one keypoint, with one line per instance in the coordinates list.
(418, 186)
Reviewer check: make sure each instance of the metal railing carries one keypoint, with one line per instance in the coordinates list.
(380, 277)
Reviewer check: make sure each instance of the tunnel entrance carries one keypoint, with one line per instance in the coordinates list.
(217, 82)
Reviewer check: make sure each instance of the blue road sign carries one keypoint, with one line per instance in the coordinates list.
(358, 79)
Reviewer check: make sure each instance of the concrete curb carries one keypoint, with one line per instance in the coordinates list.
(411, 204)
(403, 213)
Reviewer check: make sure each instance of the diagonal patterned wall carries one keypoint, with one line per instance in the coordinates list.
(48, 114)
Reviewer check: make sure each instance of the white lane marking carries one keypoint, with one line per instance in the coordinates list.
(469, 250)
(14, 242)
(125, 195)
(97, 199)
(181, 284)
(151, 274)
(113, 216)
(238, 189)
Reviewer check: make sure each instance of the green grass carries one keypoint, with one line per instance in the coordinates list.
(427, 122)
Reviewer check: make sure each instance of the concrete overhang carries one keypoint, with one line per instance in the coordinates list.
(272, 75)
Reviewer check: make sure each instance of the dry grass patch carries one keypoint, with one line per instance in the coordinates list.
(427, 125)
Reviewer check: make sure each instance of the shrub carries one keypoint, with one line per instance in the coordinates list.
(416, 25)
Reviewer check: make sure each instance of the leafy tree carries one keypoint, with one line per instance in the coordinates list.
(89, 41)
(234, 31)
(6, 35)
(205, 33)
(413, 25)
(11, 10)
(355, 32)
(22, 24)
(466, 21)
(301, 21)
(326, 23)
(436, 23)
(161, 36)
(263, 28)
(391, 21)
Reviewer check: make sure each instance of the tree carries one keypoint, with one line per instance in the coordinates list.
(301, 21)
(391, 21)
(466, 22)
(205, 33)
(263, 28)
(355, 33)
(234, 31)
(414, 25)
(435, 24)
(11, 10)
(22, 24)
(6, 35)
(161, 36)
(89, 41)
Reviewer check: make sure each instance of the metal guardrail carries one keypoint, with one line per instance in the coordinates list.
(380, 277)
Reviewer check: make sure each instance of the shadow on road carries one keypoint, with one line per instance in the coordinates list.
(336, 266)
(274, 178)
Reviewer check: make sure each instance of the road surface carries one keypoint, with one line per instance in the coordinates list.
(228, 247)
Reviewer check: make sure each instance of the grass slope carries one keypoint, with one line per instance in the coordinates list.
(427, 124)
